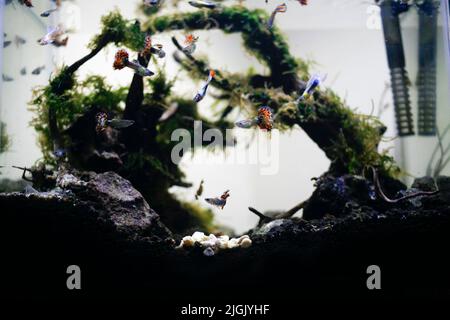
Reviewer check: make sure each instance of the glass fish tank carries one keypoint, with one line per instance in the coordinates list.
(150, 148)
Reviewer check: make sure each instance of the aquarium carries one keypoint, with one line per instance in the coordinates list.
(214, 143)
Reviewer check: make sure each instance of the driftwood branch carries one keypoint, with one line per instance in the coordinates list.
(377, 183)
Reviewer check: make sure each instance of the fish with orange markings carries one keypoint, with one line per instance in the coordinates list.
(122, 60)
(219, 201)
(190, 41)
(202, 92)
(281, 8)
(264, 120)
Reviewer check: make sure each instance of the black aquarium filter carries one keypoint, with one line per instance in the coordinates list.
(390, 11)
(426, 79)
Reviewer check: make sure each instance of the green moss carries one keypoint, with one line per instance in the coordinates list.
(70, 104)
(4, 139)
(119, 31)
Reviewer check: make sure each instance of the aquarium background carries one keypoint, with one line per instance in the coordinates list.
(343, 39)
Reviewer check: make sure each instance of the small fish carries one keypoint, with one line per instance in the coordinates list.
(220, 201)
(303, 2)
(47, 13)
(264, 120)
(121, 61)
(23, 71)
(19, 41)
(102, 122)
(60, 153)
(159, 51)
(7, 78)
(204, 4)
(38, 70)
(199, 191)
(202, 93)
(190, 44)
(61, 43)
(169, 112)
(312, 84)
(280, 8)
(51, 36)
(152, 3)
(6, 43)
(141, 70)
(28, 3)
(147, 46)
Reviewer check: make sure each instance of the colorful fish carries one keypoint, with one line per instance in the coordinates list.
(159, 51)
(147, 46)
(102, 122)
(51, 36)
(219, 201)
(202, 93)
(190, 41)
(264, 120)
(122, 60)
(313, 82)
(280, 8)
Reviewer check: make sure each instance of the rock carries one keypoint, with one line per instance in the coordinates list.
(443, 184)
(96, 201)
(424, 184)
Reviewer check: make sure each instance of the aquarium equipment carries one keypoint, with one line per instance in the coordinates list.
(390, 11)
(426, 79)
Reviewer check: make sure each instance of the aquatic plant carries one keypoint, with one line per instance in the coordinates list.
(65, 109)
(4, 138)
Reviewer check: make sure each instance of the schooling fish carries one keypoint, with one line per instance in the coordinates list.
(190, 44)
(169, 112)
(312, 84)
(147, 46)
(60, 153)
(152, 3)
(28, 3)
(264, 120)
(204, 4)
(19, 41)
(23, 71)
(47, 13)
(51, 36)
(7, 78)
(280, 8)
(102, 122)
(199, 191)
(202, 93)
(220, 201)
(159, 51)
(121, 61)
(38, 70)
(6, 43)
